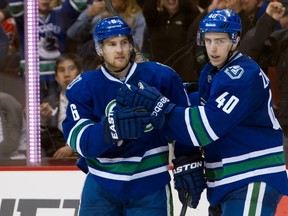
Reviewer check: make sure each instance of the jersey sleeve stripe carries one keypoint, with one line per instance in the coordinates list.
(206, 123)
(189, 128)
(76, 132)
(198, 127)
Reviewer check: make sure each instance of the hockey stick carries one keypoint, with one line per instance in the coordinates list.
(112, 10)
(185, 204)
(183, 54)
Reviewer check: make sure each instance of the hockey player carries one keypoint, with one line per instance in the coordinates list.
(125, 176)
(232, 120)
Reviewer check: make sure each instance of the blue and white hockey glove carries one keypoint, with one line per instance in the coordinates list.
(189, 178)
(126, 123)
(148, 97)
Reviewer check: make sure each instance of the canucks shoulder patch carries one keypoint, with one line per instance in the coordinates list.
(234, 72)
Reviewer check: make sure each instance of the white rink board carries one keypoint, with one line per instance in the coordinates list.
(58, 190)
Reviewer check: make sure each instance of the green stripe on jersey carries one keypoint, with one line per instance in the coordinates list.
(198, 128)
(254, 199)
(244, 166)
(45, 66)
(17, 8)
(75, 132)
(129, 168)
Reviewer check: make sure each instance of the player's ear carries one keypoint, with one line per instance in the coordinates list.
(238, 39)
(98, 49)
(237, 43)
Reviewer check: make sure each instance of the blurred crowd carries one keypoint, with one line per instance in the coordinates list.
(164, 31)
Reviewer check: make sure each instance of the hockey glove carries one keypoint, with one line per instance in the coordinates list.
(126, 123)
(148, 97)
(189, 178)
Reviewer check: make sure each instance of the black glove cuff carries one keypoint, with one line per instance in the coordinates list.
(186, 164)
(185, 159)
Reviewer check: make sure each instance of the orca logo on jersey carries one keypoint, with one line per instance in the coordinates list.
(112, 126)
(186, 167)
(234, 72)
(159, 106)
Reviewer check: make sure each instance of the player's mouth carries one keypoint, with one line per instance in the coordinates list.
(120, 58)
(214, 57)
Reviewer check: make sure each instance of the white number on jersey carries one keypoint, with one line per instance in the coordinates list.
(74, 112)
(227, 106)
(271, 114)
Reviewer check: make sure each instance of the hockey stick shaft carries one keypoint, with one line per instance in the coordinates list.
(185, 205)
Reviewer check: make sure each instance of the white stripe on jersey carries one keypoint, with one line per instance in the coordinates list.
(260, 198)
(206, 123)
(189, 128)
(128, 177)
(243, 176)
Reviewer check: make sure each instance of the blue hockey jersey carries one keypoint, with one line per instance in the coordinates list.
(52, 33)
(235, 123)
(137, 167)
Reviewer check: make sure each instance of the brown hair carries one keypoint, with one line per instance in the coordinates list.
(69, 56)
(130, 8)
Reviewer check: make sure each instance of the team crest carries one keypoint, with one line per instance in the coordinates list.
(112, 104)
(234, 72)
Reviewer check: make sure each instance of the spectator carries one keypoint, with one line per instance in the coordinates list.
(4, 10)
(53, 24)
(55, 3)
(253, 44)
(11, 65)
(279, 42)
(256, 8)
(12, 128)
(129, 10)
(4, 40)
(54, 106)
(7, 82)
(231, 118)
(124, 176)
(4, 44)
(167, 25)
